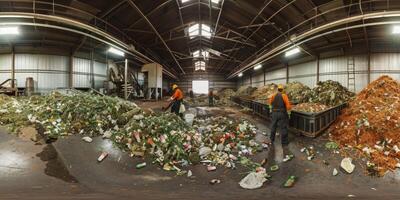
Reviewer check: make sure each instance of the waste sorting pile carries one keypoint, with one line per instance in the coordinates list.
(164, 136)
(330, 93)
(298, 92)
(245, 91)
(197, 100)
(168, 139)
(221, 98)
(224, 97)
(310, 107)
(263, 93)
(61, 115)
(225, 141)
(371, 125)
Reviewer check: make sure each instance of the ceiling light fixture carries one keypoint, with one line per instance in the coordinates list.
(396, 29)
(257, 67)
(116, 51)
(240, 74)
(293, 51)
(9, 30)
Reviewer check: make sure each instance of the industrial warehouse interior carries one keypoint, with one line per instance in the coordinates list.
(199, 99)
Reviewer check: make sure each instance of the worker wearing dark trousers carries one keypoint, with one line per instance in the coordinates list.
(177, 99)
(280, 107)
(211, 98)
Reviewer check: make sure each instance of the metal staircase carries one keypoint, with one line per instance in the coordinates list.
(351, 74)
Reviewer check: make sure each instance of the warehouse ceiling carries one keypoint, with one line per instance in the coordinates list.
(233, 34)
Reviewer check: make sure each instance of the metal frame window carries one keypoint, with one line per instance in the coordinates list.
(200, 66)
(201, 53)
(199, 30)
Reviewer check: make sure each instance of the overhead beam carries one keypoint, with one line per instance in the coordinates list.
(108, 12)
(251, 23)
(138, 31)
(255, 25)
(300, 39)
(219, 16)
(156, 32)
(201, 38)
(150, 13)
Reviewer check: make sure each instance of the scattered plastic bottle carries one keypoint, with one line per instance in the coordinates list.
(141, 165)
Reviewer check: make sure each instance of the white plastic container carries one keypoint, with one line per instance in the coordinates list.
(189, 119)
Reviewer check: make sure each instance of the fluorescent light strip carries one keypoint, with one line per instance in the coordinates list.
(9, 30)
(258, 67)
(396, 30)
(292, 52)
(116, 51)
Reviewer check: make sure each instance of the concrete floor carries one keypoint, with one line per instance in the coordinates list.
(68, 169)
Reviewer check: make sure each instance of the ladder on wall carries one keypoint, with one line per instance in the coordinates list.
(351, 74)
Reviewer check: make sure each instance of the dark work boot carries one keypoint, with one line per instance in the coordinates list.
(286, 150)
(271, 152)
(287, 154)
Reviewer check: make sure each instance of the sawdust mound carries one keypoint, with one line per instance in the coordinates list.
(371, 124)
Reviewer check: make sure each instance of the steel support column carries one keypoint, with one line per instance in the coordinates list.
(264, 77)
(92, 69)
(317, 68)
(287, 72)
(71, 71)
(12, 67)
(126, 80)
(369, 67)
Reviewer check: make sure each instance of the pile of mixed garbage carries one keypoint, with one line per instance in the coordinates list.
(330, 93)
(168, 139)
(197, 100)
(325, 95)
(224, 96)
(297, 92)
(245, 91)
(310, 107)
(263, 93)
(371, 125)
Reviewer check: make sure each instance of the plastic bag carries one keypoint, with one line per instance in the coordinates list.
(253, 181)
(182, 109)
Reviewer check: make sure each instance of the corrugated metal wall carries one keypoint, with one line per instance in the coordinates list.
(257, 80)
(277, 76)
(305, 73)
(5, 67)
(332, 69)
(81, 71)
(50, 71)
(216, 81)
(100, 74)
(385, 64)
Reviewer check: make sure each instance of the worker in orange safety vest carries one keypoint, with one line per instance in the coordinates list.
(177, 99)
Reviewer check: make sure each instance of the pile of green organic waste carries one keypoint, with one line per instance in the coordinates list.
(330, 93)
(165, 137)
(61, 115)
(298, 92)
